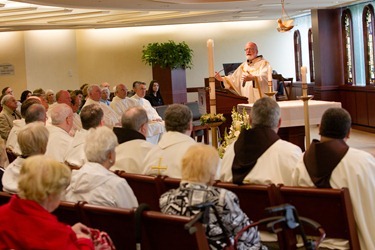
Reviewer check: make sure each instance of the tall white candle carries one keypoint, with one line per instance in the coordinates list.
(269, 73)
(303, 74)
(210, 46)
(269, 76)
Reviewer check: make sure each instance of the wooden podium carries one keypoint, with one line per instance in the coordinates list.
(225, 101)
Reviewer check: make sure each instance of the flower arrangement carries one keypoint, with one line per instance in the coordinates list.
(212, 118)
(239, 121)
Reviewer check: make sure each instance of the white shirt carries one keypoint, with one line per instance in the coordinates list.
(169, 152)
(356, 171)
(97, 185)
(120, 105)
(130, 156)
(11, 174)
(58, 143)
(275, 165)
(12, 142)
(111, 118)
(75, 155)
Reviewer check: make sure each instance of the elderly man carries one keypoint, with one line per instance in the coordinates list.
(32, 111)
(63, 96)
(156, 124)
(111, 119)
(173, 144)
(8, 115)
(250, 79)
(331, 163)
(59, 138)
(259, 156)
(120, 101)
(91, 117)
(132, 138)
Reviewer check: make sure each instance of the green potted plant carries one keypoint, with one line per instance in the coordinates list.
(168, 55)
(169, 61)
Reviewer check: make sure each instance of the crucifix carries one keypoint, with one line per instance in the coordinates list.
(159, 167)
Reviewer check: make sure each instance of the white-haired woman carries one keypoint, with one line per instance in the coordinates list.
(26, 222)
(94, 182)
(32, 139)
(199, 166)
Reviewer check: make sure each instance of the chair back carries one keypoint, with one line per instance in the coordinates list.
(147, 189)
(161, 231)
(119, 223)
(331, 208)
(171, 183)
(194, 107)
(4, 197)
(161, 110)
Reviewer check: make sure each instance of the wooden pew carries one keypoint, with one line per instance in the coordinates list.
(161, 231)
(332, 208)
(119, 223)
(68, 212)
(147, 189)
(253, 198)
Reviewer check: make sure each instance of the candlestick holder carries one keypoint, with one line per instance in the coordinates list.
(305, 99)
(270, 94)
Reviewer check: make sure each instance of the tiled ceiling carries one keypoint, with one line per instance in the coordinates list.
(83, 14)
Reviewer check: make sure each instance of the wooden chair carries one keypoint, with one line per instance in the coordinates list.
(332, 208)
(161, 231)
(69, 212)
(284, 83)
(4, 197)
(119, 223)
(199, 130)
(171, 183)
(147, 189)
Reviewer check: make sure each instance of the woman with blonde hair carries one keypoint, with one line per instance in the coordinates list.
(94, 182)
(26, 222)
(199, 167)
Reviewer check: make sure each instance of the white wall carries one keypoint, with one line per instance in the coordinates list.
(68, 58)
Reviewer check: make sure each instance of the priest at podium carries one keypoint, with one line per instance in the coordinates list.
(250, 79)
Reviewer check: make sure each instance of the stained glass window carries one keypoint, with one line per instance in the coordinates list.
(348, 47)
(311, 56)
(368, 33)
(297, 54)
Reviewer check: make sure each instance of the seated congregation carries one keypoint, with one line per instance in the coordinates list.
(95, 156)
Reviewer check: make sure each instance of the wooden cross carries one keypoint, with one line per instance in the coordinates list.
(159, 167)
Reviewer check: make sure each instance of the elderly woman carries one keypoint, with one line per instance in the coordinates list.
(26, 222)
(32, 140)
(199, 166)
(94, 182)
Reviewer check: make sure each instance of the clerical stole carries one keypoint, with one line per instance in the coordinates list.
(250, 145)
(322, 158)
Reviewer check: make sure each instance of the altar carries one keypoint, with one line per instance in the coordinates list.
(292, 118)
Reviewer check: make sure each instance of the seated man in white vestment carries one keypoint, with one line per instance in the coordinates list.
(120, 101)
(259, 156)
(91, 117)
(133, 147)
(59, 138)
(36, 114)
(331, 163)
(173, 144)
(111, 118)
(156, 124)
(63, 96)
(250, 79)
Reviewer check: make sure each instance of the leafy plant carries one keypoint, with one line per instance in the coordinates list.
(168, 54)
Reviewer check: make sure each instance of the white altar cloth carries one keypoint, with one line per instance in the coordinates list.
(292, 114)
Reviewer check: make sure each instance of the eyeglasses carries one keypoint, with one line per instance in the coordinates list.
(249, 49)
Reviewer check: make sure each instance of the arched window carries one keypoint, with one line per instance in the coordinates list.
(347, 35)
(297, 54)
(368, 39)
(311, 56)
